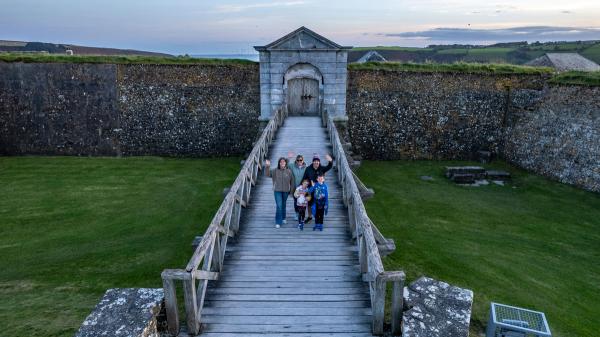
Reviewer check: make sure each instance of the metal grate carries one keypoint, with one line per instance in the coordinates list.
(507, 321)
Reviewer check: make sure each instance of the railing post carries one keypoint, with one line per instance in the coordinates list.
(191, 304)
(171, 306)
(362, 255)
(397, 303)
(378, 304)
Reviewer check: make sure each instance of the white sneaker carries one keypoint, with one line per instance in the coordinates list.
(277, 226)
(284, 222)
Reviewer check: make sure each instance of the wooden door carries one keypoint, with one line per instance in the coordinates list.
(303, 97)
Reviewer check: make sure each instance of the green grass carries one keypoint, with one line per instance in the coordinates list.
(51, 58)
(450, 67)
(592, 53)
(584, 78)
(534, 244)
(70, 228)
(453, 51)
(412, 49)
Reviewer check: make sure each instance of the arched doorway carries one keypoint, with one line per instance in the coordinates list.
(303, 86)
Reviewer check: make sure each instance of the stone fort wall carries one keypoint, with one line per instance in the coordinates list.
(108, 109)
(551, 130)
(213, 110)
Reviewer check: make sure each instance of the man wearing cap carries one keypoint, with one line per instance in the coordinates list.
(312, 172)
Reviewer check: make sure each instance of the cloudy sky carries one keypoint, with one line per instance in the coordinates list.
(203, 26)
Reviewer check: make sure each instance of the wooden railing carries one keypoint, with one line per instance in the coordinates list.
(370, 242)
(207, 261)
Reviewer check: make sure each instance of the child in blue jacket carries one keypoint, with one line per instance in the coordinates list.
(321, 201)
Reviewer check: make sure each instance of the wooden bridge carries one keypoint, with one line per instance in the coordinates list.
(248, 278)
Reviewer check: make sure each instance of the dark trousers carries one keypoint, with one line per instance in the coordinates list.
(296, 205)
(319, 215)
(301, 213)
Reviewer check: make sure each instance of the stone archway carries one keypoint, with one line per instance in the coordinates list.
(303, 90)
(303, 59)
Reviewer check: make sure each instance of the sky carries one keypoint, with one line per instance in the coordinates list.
(235, 26)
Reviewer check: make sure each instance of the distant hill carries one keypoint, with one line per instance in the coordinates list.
(52, 48)
(513, 52)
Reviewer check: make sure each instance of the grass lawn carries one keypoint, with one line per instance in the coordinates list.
(113, 59)
(458, 67)
(536, 245)
(592, 53)
(72, 227)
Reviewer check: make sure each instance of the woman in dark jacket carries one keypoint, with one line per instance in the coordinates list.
(283, 186)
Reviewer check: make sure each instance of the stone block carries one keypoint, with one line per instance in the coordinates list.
(498, 175)
(436, 309)
(463, 178)
(124, 312)
(478, 172)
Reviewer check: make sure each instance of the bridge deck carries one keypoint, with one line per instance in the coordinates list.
(286, 282)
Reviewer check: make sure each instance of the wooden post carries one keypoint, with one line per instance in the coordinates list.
(362, 256)
(191, 305)
(378, 304)
(216, 255)
(171, 306)
(397, 303)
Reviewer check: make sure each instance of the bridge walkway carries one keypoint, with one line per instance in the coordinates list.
(286, 282)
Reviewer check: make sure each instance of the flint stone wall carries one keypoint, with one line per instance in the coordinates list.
(436, 309)
(556, 133)
(550, 130)
(107, 109)
(417, 115)
(125, 312)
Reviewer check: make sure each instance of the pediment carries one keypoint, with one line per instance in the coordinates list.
(302, 39)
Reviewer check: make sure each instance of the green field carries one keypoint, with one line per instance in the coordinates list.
(503, 53)
(459, 67)
(534, 243)
(592, 53)
(415, 49)
(72, 227)
(60, 58)
(589, 78)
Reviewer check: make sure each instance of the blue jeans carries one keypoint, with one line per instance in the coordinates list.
(280, 200)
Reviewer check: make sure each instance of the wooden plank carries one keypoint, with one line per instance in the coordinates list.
(217, 303)
(277, 334)
(227, 311)
(290, 284)
(280, 278)
(316, 319)
(293, 298)
(287, 328)
(300, 290)
(299, 267)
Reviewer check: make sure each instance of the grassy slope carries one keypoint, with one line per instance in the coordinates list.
(48, 58)
(577, 78)
(592, 53)
(487, 68)
(536, 245)
(72, 227)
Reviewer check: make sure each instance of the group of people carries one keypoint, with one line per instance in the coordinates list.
(306, 184)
